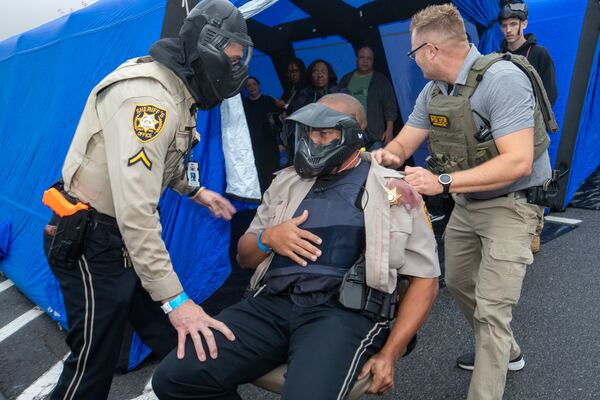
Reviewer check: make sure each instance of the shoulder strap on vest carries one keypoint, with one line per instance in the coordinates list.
(485, 62)
(477, 71)
(538, 89)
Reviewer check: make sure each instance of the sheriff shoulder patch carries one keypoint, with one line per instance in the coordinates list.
(440, 121)
(427, 216)
(142, 157)
(148, 121)
(400, 193)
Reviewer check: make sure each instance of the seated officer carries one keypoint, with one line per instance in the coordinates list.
(316, 221)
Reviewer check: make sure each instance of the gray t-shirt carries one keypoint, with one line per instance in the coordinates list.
(505, 98)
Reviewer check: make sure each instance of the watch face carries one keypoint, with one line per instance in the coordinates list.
(445, 179)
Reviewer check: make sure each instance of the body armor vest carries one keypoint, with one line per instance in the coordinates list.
(336, 216)
(455, 141)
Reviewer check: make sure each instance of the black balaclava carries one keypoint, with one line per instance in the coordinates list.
(197, 56)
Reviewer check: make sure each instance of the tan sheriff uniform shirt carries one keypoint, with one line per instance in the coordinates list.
(128, 147)
(399, 237)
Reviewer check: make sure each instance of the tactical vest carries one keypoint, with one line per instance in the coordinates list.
(334, 216)
(453, 137)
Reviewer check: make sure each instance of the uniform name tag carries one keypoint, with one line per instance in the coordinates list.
(440, 121)
(193, 175)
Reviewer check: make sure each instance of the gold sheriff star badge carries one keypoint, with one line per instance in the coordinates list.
(393, 196)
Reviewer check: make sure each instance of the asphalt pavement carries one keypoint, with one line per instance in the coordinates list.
(556, 323)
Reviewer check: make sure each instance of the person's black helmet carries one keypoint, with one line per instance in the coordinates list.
(513, 9)
(209, 28)
(312, 159)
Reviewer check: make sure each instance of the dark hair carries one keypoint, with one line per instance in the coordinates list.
(330, 71)
(298, 63)
(253, 77)
(365, 46)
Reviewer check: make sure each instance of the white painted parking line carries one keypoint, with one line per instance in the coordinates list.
(19, 322)
(44, 384)
(561, 220)
(145, 396)
(5, 285)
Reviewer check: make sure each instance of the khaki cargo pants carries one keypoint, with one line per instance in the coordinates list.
(487, 248)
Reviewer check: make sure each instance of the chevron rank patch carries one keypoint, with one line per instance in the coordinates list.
(148, 121)
(142, 157)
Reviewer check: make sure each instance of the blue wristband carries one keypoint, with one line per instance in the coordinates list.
(261, 246)
(175, 303)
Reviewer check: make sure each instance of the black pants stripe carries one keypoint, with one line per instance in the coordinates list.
(323, 345)
(101, 295)
(88, 329)
(358, 357)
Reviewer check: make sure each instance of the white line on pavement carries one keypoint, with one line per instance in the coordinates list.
(562, 220)
(5, 285)
(145, 396)
(44, 384)
(19, 322)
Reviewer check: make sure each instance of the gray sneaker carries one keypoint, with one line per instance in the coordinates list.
(467, 362)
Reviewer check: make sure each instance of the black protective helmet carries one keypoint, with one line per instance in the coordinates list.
(312, 159)
(513, 9)
(198, 55)
(209, 28)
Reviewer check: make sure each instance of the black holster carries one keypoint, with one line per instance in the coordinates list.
(354, 294)
(68, 243)
(545, 195)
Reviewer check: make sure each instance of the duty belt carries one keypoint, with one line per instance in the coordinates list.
(519, 194)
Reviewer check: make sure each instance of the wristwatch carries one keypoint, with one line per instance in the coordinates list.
(445, 180)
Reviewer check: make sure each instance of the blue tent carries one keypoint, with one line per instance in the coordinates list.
(48, 72)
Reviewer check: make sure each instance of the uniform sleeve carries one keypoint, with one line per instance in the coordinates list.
(419, 118)
(421, 256)
(139, 121)
(509, 110)
(265, 213)
(179, 183)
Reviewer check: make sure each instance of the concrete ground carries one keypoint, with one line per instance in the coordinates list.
(556, 322)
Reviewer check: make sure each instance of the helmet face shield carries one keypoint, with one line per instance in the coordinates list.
(238, 46)
(318, 138)
(319, 151)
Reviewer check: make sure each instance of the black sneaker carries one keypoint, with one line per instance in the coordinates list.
(467, 362)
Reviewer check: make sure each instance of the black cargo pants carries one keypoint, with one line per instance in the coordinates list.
(325, 347)
(101, 293)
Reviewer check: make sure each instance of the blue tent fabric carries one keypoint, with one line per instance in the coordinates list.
(557, 26)
(4, 237)
(587, 147)
(484, 14)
